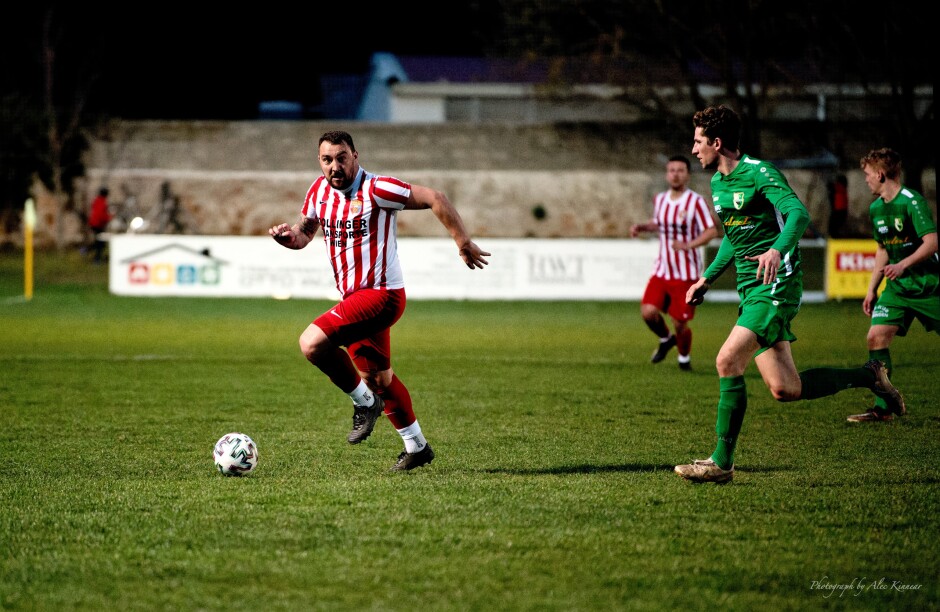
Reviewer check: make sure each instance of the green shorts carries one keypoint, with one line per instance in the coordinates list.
(769, 315)
(894, 309)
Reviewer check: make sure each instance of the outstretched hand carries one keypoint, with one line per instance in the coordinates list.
(282, 233)
(473, 256)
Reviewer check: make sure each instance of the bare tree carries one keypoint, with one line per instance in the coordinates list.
(63, 115)
(46, 88)
(670, 57)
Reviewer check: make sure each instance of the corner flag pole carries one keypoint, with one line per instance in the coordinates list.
(29, 222)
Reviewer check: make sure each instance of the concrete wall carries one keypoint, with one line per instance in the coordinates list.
(239, 178)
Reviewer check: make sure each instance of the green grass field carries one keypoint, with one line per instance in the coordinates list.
(552, 488)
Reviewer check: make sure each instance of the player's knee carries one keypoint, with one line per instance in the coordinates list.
(726, 365)
(313, 342)
(379, 380)
(307, 347)
(312, 346)
(649, 314)
(877, 339)
(783, 393)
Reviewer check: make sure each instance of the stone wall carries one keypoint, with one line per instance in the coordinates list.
(565, 180)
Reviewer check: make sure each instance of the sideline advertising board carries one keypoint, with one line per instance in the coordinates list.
(256, 266)
(848, 268)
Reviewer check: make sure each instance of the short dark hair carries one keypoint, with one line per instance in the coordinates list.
(719, 122)
(337, 137)
(683, 159)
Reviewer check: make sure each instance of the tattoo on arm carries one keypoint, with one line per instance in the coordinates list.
(308, 226)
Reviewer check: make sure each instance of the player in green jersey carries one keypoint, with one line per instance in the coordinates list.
(906, 233)
(763, 221)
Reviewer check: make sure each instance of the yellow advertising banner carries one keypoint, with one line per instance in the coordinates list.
(848, 268)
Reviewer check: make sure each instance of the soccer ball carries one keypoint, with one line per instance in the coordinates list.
(235, 454)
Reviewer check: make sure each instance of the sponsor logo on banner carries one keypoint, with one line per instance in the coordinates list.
(174, 264)
(855, 261)
(848, 267)
(556, 269)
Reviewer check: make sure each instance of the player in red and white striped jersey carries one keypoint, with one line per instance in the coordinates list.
(357, 211)
(685, 223)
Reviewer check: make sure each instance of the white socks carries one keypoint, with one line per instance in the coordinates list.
(414, 439)
(362, 395)
(415, 442)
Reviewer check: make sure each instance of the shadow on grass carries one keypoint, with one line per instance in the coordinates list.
(626, 467)
(583, 469)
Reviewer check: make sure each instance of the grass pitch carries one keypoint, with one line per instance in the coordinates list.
(552, 488)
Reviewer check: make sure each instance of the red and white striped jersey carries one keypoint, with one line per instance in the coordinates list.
(359, 229)
(683, 219)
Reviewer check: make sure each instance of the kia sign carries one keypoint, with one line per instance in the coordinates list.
(848, 268)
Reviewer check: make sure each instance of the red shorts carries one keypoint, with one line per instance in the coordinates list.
(669, 297)
(361, 323)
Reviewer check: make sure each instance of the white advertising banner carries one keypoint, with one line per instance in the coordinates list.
(256, 266)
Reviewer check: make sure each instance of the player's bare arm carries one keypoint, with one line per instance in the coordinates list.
(768, 263)
(638, 228)
(424, 198)
(696, 293)
(925, 250)
(704, 238)
(295, 236)
(877, 275)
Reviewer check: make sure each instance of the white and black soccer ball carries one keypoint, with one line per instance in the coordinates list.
(235, 454)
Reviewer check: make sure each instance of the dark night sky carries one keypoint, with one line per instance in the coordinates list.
(167, 62)
(197, 61)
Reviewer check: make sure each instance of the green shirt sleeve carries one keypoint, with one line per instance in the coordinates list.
(775, 188)
(920, 212)
(723, 259)
(796, 219)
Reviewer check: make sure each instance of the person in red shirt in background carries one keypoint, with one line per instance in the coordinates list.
(839, 199)
(98, 219)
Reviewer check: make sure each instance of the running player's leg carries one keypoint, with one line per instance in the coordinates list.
(732, 405)
(330, 358)
(892, 316)
(873, 375)
(879, 341)
(336, 363)
(400, 413)
(372, 357)
(681, 314)
(732, 360)
(358, 316)
(654, 302)
(762, 330)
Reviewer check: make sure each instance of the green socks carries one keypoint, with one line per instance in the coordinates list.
(732, 403)
(885, 356)
(817, 382)
(820, 382)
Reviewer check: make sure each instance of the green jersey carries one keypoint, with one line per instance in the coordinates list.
(759, 211)
(898, 227)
